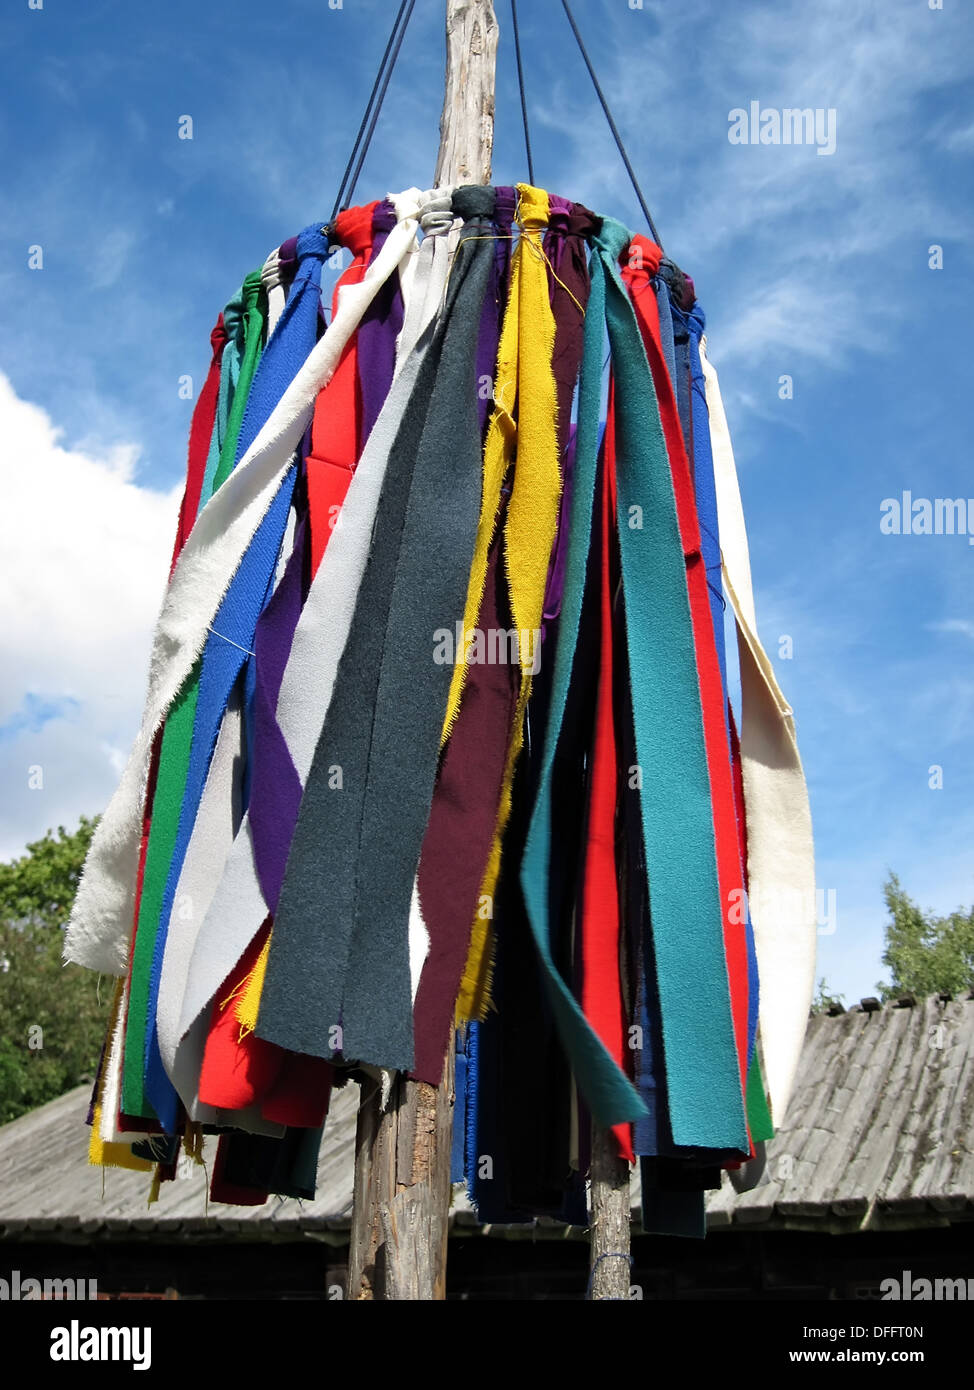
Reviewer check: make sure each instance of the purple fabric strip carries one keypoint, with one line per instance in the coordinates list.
(275, 788)
(288, 258)
(559, 212)
(495, 299)
(378, 330)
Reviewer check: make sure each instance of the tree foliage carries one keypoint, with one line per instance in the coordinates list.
(925, 954)
(52, 1016)
(825, 999)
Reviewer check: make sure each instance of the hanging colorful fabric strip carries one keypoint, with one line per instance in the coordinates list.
(201, 431)
(238, 907)
(643, 261)
(341, 792)
(703, 1073)
(598, 923)
(460, 828)
(607, 1090)
(98, 931)
(781, 864)
(438, 731)
(231, 639)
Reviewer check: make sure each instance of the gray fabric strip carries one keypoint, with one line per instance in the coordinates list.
(329, 964)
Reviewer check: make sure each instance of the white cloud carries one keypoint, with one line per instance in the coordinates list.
(110, 258)
(816, 227)
(86, 553)
(962, 140)
(962, 625)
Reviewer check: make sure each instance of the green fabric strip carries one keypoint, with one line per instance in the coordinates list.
(174, 755)
(255, 319)
(758, 1115)
(166, 805)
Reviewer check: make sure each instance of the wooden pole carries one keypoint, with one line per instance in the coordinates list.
(609, 1237)
(400, 1220)
(467, 122)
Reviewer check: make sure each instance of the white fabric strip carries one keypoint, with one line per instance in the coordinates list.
(430, 269)
(238, 909)
(100, 924)
(407, 275)
(440, 231)
(780, 856)
(270, 277)
(419, 940)
(112, 1091)
(217, 822)
(206, 854)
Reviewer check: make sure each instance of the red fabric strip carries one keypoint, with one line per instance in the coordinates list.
(738, 790)
(301, 1089)
(599, 923)
(234, 1074)
(644, 259)
(238, 1072)
(337, 425)
(200, 434)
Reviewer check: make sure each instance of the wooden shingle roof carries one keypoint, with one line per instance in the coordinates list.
(47, 1185)
(880, 1131)
(880, 1134)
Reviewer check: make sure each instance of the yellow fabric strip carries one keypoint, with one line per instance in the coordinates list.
(530, 526)
(100, 1154)
(248, 1000)
(104, 1155)
(498, 454)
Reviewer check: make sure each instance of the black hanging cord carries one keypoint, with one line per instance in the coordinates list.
(378, 108)
(520, 83)
(406, 7)
(612, 125)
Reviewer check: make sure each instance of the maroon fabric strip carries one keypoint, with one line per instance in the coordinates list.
(460, 832)
(463, 815)
(565, 245)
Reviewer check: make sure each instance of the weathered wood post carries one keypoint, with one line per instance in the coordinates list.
(610, 1236)
(467, 122)
(402, 1154)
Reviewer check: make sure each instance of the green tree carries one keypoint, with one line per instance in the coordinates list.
(52, 1016)
(824, 998)
(925, 954)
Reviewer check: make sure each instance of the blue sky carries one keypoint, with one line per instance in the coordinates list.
(811, 266)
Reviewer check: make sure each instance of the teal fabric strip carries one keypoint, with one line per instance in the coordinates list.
(702, 1074)
(610, 1095)
(233, 322)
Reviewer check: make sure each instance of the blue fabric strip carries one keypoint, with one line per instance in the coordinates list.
(458, 1145)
